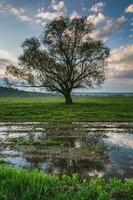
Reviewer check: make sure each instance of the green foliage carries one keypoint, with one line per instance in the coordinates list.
(52, 109)
(34, 185)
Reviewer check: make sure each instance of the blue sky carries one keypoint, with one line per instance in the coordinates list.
(21, 19)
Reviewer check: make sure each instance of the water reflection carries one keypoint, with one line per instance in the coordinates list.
(85, 149)
(121, 155)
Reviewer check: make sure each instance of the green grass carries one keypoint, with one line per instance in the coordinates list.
(34, 185)
(53, 109)
(46, 143)
(2, 162)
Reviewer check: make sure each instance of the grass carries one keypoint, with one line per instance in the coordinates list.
(53, 109)
(34, 185)
(46, 143)
(2, 162)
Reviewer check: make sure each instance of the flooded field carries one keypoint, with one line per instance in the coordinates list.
(85, 149)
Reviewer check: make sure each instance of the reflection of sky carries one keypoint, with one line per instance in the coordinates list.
(17, 161)
(114, 21)
(120, 155)
(122, 140)
(120, 162)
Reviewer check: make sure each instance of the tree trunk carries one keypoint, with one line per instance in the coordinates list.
(68, 99)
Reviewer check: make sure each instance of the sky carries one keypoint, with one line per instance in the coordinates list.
(21, 19)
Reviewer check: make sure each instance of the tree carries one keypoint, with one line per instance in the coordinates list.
(63, 58)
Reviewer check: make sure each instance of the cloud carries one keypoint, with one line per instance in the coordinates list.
(6, 58)
(120, 62)
(117, 85)
(2, 10)
(129, 9)
(58, 6)
(83, 8)
(130, 36)
(47, 16)
(74, 15)
(109, 28)
(122, 54)
(96, 19)
(98, 7)
(43, 16)
(18, 12)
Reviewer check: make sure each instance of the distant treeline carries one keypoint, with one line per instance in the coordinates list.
(11, 92)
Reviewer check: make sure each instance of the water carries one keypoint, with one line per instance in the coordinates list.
(85, 149)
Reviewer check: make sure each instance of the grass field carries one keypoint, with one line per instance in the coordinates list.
(53, 109)
(24, 185)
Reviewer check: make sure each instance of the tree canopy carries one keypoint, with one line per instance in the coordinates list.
(65, 57)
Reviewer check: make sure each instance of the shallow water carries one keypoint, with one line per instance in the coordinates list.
(86, 149)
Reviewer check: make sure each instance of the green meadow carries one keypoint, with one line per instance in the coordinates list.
(52, 109)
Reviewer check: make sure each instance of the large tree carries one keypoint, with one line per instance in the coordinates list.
(63, 58)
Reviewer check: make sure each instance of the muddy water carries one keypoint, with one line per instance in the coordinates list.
(85, 149)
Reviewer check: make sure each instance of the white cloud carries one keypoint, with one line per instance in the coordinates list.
(98, 7)
(131, 36)
(96, 19)
(2, 9)
(18, 12)
(129, 9)
(6, 58)
(109, 28)
(120, 62)
(46, 16)
(58, 6)
(122, 54)
(38, 21)
(83, 8)
(74, 15)
(43, 16)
